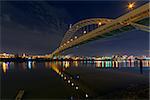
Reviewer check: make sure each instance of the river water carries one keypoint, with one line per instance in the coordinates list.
(73, 79)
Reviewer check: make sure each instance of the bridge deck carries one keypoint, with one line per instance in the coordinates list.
(118, 25)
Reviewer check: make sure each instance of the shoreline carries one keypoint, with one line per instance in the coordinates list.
(43, 59)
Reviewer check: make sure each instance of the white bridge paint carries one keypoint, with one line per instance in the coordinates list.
(130, 18)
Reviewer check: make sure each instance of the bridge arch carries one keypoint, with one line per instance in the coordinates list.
(83, 23)
(135, 19)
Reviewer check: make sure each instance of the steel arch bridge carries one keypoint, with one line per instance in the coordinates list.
(95, 28)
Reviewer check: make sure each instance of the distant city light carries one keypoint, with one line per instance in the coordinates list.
(99, 23)
(84, 32)
(75, 37)
(24, 54)
(29, 58)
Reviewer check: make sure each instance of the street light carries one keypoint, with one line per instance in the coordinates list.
(131, 5)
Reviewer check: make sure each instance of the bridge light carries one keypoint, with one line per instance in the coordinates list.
(68, 41)
(68, 81)
(65, 78)
(99, 23)
(71, 40)
(77, 87)
(84, 32)
(62, 75)
(86, 95)
(77, 77)
(65, 44)
(72, 84)
(131, 5)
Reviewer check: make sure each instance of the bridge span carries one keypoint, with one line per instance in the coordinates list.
(135, 19)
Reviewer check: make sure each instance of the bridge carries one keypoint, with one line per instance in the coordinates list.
(96, 28)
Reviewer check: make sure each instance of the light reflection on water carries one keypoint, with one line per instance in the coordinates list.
(73, 80)
(66, 64)
(128, 63)
(4, 67)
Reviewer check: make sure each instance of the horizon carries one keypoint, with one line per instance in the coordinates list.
(29, 31)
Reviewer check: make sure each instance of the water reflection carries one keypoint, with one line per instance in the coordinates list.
(124, 63)
(66, 64)
(146, 63)
(71, 80)
(105, 64)
(31, 64)
(23, 65)
(75, 63)
(5, 67)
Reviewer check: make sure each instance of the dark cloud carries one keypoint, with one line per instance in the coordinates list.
(36, 26)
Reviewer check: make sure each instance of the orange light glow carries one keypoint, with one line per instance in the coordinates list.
(54, 67)
(131, 5)
(5, 67)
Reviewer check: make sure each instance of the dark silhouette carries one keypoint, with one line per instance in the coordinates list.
(141, 66)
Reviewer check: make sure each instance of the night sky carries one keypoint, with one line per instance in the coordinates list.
(37, 27)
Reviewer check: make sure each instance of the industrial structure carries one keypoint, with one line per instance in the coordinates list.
(96, 28)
